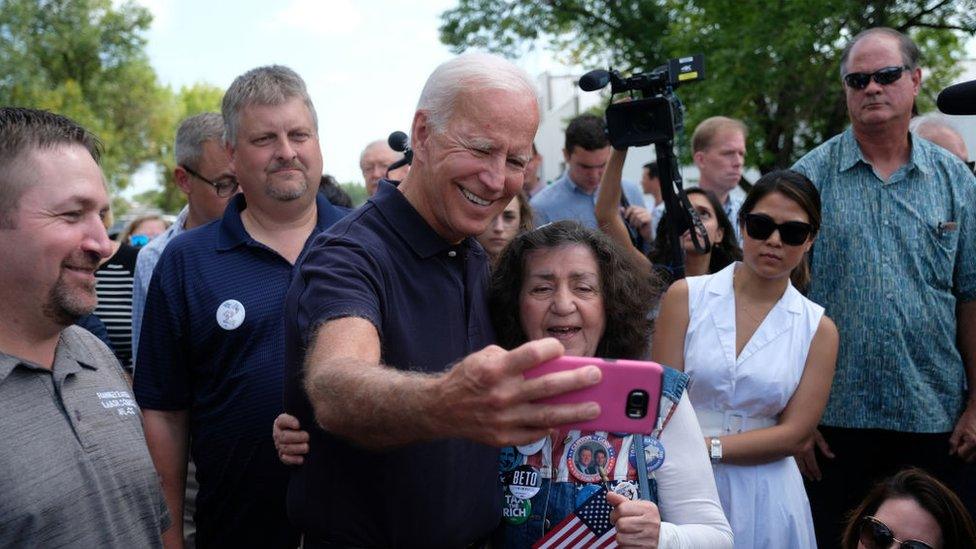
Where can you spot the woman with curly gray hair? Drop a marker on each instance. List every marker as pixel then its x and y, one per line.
pixel 575 285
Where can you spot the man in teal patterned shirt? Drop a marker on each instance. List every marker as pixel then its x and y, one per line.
pixel 895 267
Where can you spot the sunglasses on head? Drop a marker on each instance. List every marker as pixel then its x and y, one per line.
pixel 792 233
pixel 885 76
pixel 876 535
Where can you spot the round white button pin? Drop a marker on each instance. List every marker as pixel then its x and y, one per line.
pixel 230 314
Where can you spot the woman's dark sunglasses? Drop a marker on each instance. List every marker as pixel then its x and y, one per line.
pixel 876 535
pixel 885 76
pixel 792 233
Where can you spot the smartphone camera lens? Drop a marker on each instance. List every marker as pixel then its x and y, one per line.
pixel 637 404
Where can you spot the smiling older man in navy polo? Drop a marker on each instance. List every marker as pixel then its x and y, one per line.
pixel 386 301
pixel 211 352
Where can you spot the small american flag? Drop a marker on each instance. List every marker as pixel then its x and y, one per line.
pixel 588 526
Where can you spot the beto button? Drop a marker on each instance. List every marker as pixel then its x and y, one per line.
pixel 524 482
pixel 516 511
pixel 230 314
pixel 653 454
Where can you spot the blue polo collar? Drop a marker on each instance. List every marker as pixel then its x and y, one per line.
pixel 232 233
pixel 411 226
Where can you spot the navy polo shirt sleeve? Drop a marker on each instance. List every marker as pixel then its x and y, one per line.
pixel 162 381
pixel 341 280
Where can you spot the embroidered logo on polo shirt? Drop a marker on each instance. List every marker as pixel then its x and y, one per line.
pixel 230 314
pixel 120 401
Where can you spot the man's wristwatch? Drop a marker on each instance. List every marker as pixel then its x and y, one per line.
pixel 715 449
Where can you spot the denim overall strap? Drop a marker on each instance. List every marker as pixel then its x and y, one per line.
pixel 673 384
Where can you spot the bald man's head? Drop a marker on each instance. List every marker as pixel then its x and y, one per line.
pixel 374 160
pixel 943 135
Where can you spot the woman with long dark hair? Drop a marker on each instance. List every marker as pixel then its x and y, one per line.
pixel 721 233
pixel 762 358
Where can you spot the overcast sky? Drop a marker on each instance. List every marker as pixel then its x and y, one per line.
pixel 364 62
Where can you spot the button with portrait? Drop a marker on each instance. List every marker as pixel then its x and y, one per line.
pixel 591 458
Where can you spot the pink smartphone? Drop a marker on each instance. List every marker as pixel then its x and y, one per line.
pixel 629 393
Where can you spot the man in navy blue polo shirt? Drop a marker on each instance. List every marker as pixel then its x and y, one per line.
pixel 211 348
pixel 386 301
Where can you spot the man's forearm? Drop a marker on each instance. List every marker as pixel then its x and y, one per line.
pixel 167 435
pixel 372 405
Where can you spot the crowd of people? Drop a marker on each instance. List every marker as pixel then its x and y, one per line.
pixel 279 369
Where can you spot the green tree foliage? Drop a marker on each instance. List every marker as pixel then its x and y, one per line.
pixel 189 101
pixel 773 64
pixel 356 192
pixel 86 59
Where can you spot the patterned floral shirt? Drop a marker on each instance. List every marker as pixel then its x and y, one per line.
pixel 889 265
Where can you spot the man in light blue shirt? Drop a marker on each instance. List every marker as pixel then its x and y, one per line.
pixel 895 267
pixel 203 173
pixel 573 195
pixel 718 147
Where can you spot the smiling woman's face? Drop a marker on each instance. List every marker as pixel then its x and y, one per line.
pixel 562 297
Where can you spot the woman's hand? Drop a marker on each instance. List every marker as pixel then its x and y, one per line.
pixel 638 523
pixel 640 219
pixel 290 440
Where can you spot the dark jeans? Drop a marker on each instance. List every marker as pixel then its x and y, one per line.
pixel 866 456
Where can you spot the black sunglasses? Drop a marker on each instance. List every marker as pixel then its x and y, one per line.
pixel 876 535
pixel 885 76
pixel 225 187
pixel 792 233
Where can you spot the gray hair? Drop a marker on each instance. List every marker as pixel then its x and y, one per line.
pixel 193 133
pixel 466 72
pixel 909 51
pixel 23 130
pixel 372 145
pixel 270 85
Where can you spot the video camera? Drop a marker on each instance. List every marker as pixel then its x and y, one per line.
pixel 654 118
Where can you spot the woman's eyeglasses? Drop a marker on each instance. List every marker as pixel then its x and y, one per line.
pixel 885 76
pixel 792 233
pixel 876 535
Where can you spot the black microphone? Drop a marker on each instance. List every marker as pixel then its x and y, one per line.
pixel 958 99
pixel 398 141
pixel 594 80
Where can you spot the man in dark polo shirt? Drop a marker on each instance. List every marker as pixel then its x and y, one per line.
pixel 74 467
pixel 386 301
pixel 211 349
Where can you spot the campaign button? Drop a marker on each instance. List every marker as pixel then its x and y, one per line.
pixel 509 458
pixel 524 482
pixel 516 510
pixel 627 489
pixel 591 458
pixel 533 447
pixel 653 453
pixel 584 493
pixel 230 314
